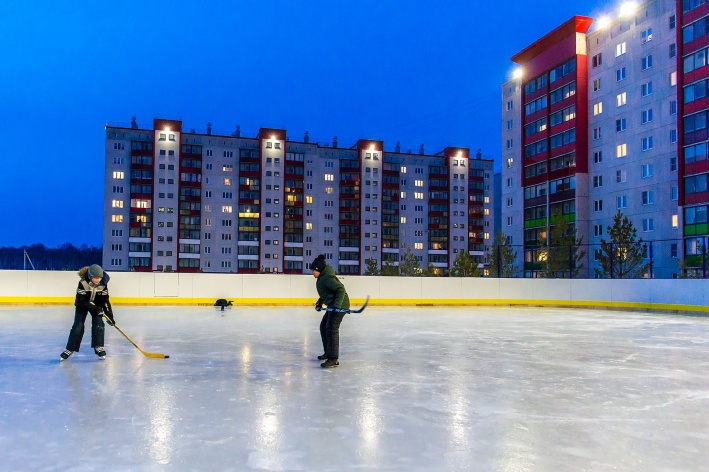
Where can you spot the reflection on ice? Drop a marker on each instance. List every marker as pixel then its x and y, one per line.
pixel 417 390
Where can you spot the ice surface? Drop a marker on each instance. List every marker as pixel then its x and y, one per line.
pixel 418 389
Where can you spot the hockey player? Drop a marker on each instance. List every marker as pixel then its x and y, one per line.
pixel 332 294
pixel 91 297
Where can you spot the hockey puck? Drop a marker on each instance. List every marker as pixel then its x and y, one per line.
pixel 167 357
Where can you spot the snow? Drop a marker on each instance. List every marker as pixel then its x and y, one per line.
pixel 418 389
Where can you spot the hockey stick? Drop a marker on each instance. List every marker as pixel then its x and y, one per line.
pixel 366 302
pixel 153 355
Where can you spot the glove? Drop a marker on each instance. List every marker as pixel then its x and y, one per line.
pixel 318 307
pixel 95 310
pixel 109 315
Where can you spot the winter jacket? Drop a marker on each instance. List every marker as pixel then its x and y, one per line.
pixel 90 297
pixel 332 292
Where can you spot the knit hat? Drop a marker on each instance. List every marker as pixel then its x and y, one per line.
pixel 319 263
pixel 95 272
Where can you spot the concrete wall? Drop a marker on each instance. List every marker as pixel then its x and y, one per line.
pixel 137 288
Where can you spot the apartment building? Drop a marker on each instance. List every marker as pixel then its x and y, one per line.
pixel 599 133
pixel 185 201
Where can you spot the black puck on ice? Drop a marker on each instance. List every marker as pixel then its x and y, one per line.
pixel 167 357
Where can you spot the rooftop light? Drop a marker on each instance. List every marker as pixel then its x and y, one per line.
pixel 603 22
pixel 628 8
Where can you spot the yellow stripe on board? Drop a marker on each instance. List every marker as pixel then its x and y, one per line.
pixel 356 302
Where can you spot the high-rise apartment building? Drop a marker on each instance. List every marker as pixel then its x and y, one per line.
pixel 185 202
pixel 596 131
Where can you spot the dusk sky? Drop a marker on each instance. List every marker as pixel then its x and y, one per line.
pixel 415 72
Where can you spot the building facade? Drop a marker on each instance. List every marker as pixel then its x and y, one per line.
pixel 185 202
pixel 599 133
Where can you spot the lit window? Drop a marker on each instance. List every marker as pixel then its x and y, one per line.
pixel 117 203
pixel 118 175
pixel 621 150
pixel 226 209
pixel 403 169
pixel 597 108
pixel 308 199
pixel 621 99
pixel 675 222
pixel 620 49
pixel 117 218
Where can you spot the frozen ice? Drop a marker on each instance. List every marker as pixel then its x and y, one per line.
pixel 418 389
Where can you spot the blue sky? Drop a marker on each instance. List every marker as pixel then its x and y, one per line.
pixel 415 72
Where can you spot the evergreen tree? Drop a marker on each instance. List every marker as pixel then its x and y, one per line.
pixel 464 266
pixel 502 250
pixel 371 267
pixel 432 271
pixel 409 266
pixel 627 255
pixel 563 250
pixel 389 269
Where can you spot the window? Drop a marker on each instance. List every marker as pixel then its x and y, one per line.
pixel 673 50
pixel 598 230
pixel 646 62
pixel 596 85
pixel 673 107
pixel 673 164
pixel 675 222
pixel 646 115
pixel 673 21
pixel 647 143
pixel 509 124
pixel 620 176
pixel 509 105
pixel 646 36
pixel 621 202
pixel 597 108
pixel 598 157
pixel 648 225
pixel 621 99
pixel 673 135
pixel 620 125
pixel 648 197
pixel 598 205
pixel 597 133
pixel 674 193
pixel 646 89
pixel 597 181
pixel 673 79
pixel 620 74
pixel 597 60
pixel 620 49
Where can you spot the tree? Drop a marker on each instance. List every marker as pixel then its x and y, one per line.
pixel 372 267
pixel 562 253
pixel 686 272
pixel 464 266
pixel 503 253
pixel 409 266
pixel 622 251
pixel 389 269
pixel 432 271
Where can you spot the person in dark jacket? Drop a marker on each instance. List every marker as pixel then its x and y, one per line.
pixel 91 297
pixel 333 295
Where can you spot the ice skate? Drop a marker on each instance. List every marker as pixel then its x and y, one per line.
pixel 323 357
pixel 329 364
pixel 100 352
pixel 65 355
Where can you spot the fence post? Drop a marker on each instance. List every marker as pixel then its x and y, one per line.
pixel 611 259
pixel 571 261
pixel 704 257
pixel 651 259
pixel 499 259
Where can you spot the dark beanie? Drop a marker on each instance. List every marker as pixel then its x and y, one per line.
pixel 319 263
pixel 95 272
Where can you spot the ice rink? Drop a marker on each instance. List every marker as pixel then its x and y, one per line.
pixel 418 389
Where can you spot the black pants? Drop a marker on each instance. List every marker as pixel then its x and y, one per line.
pixel 330 333
pixel 77 331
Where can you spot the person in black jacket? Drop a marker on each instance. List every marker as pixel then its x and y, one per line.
pixel 91 297
pixel 332 294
